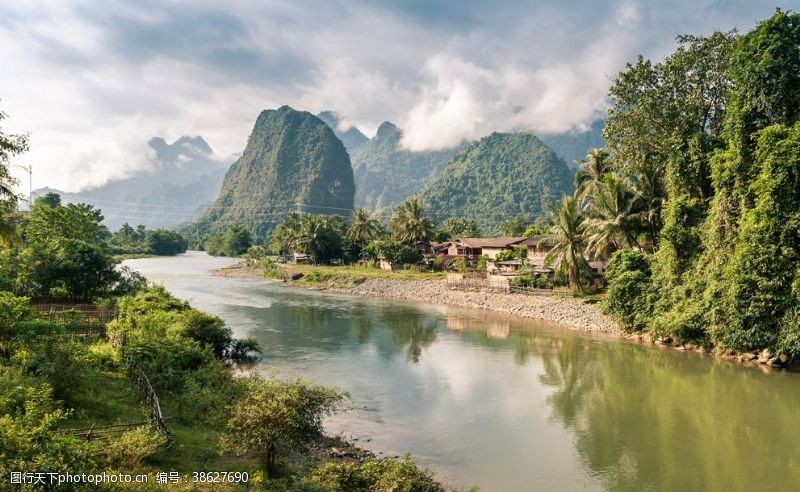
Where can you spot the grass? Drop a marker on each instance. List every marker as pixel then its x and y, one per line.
pixel 111 399
pixel 350 275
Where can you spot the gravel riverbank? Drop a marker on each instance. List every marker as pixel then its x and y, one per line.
pixel 566 311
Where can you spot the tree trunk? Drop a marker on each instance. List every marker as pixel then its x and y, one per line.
pixel 270 460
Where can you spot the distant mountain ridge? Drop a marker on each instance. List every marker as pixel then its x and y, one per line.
pixel 573 145
pixel 183 181
pixel 497 178
pixel 293 161
pixel 387 174
pixel 352 138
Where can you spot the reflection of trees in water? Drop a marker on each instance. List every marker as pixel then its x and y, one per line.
pixel 408 330
pixel 414 333
pixel 649 419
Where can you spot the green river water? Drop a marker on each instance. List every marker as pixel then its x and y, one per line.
pixel 509 404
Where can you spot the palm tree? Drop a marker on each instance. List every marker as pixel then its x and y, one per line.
pixel 614 217
pixel 567 254
pixel 363 228
pixel 648 185
pixel 589 178
pixel 409 224
pixel 314 236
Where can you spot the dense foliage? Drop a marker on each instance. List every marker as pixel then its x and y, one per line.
pixel 329 237
pixel 62 252
pixel 161 242
pixel 500 176
pixel 234 241
pixel 726 268
pixel 386 174
pixel 293 161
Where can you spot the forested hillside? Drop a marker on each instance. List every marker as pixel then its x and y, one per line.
pixel 496 178
pixel 386 174
pixel 293 162
pixel 573 145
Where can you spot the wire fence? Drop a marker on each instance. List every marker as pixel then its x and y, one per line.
pixel 105 432
pixel 81 319
pixel 499 284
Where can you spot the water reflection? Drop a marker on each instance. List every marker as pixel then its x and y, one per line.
pixel 642 418
pixel 509 404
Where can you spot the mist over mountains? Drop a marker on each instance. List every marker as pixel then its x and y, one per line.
pixel 183 180
pixel 295 159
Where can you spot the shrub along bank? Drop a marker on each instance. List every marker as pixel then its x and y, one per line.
pixel 266 428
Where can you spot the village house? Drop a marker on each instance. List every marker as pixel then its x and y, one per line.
pixel 471 248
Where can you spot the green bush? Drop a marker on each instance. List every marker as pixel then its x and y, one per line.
pixel 317 276
pixel 58 361
pixel 28 418
pixel 789 335
pixel 168 362
pixel 31 330
pixel 271 269
pixel 207 330
pixel 13 309
pixel 131 448
pixel 627 300
pixel 207 394
pixel 626 260
pixel 273 417
pixel 377 476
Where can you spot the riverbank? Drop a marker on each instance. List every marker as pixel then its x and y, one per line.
pixel 567 311
pixel 571 312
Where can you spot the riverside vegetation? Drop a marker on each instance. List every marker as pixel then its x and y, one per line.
pixel 694 199
pixel 62 383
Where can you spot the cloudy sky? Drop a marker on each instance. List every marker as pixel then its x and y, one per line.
pixel 92 81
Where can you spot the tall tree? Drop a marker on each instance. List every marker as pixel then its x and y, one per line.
pixel 10 146
pixel 514 227
pixel 363 228
pixel 613 217
pixel 409 223
pixel 567 255
pixel 589 177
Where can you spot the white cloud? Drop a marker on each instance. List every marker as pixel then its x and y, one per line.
pixel 92 82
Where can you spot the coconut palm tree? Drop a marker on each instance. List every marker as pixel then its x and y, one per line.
pixel 567 255
pixel 363 228
pixel 589 177
pixel 613 217
pixel 313 236
pixel 409 223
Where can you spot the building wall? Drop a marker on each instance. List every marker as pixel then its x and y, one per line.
pixel 491 252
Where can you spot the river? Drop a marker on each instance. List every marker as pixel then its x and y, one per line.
pixel 509 404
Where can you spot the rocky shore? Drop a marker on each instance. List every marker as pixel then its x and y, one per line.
pixel 566 311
